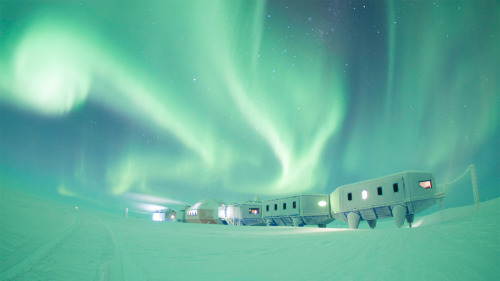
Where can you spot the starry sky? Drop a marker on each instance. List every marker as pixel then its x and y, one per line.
pixel 154 104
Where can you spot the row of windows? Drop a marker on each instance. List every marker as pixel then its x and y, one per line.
pixel 294 206
pixel 364 193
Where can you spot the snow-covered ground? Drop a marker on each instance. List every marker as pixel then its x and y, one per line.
pixel 47 240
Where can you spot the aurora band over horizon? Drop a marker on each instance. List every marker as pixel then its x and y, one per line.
pixel 243 98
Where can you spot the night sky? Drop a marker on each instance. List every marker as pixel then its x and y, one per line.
pixel 123 104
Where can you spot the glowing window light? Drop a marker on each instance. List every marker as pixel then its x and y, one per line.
pixel 364 194
pixel 172 216
pixel 322 203
pixel 425 184
pixel 222 213
pixel 158 216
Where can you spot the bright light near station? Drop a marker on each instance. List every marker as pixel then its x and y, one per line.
pixel 364 194
pixel 158 216
pixel 150 207
pixel 322 203
pixel 417 223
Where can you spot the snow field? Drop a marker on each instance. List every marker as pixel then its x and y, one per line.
pixel 45 240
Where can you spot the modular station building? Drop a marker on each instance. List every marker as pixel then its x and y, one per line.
pixel 205 212
pixel 248 213
pixel 400 196
pixel 167 215
pixel 298 211
pixel 181 215
pixel 170 215
pixel 159 216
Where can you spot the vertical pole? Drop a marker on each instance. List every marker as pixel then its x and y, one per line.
pixel 474 185
pixel 441 207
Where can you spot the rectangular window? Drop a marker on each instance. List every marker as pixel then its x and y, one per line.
pixel 395 187
pixel 425 184
pixel 275 207
pixel 253 211
pixel 294 204
pixel 349 196
pixel 379 190
pixel 284 206
pixel 267 208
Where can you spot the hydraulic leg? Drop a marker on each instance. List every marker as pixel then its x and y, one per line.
pixel 372 223
pixel 399 214
pixel 353 220
pixel 409 219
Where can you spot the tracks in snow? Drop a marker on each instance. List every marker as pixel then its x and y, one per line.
pixel 25 257
pixel 121 269
pixel 88 249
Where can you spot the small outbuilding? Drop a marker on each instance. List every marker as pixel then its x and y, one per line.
pixel 181 215
pixel 298 211
pixel 170 215
pixel 167 215
pixel 159 216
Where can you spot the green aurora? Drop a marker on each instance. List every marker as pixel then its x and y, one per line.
pixel 109 102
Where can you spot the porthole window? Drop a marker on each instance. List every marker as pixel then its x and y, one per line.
pixel 379 190
pixel 395 187
pixel 349 196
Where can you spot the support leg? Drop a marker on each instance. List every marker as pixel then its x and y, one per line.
pixel 353 220
pixel 409 219
pixel 399 214
pixel 372 223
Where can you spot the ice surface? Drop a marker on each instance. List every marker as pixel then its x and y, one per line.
pixel 47 240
